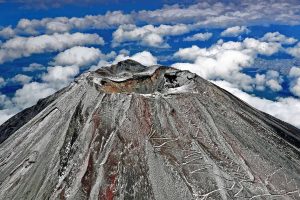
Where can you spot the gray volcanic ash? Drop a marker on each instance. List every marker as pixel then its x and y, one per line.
pixel 135 132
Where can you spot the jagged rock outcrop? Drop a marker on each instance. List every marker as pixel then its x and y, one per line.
pixel 135 132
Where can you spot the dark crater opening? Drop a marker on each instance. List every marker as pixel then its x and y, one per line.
pixel 160 81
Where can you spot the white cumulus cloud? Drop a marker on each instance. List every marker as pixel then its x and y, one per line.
pixel 235 31
pixel 2 82
pixel 144 57
pixel 274 80
pixel 7 32
pixel 225 60
pixel 64 24
pixel 198 37
pixel 294 75
pixel 263 48
pixel 33 67
pixel 31 93
pixel 294 51
pixel 59 76
pixel 19 47
pixel 147 35
pixel 80 56
pixel 6 113
pixel 278 37
pixel 21 79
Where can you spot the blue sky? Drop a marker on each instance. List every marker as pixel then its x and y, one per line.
pixel 250 48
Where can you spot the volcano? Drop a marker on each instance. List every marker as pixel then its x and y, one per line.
pixel 134 132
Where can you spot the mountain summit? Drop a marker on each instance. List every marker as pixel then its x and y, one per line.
pixel 133 132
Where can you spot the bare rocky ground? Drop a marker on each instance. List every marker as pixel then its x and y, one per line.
pixel 134 132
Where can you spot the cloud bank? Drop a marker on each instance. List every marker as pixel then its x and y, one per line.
pixel 148 35
pixel 198 37
pixel 19 47
pixel 285 109
pixel 235 31
pixel 202 14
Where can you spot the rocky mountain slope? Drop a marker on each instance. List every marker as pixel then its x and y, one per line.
pixel 135 132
